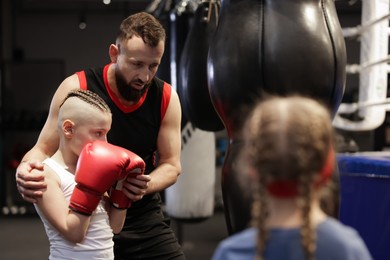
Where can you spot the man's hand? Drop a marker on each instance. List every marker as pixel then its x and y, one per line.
pixel 135 187
pixel 30 185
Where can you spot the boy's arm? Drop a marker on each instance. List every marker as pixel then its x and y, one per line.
pixel 117 216
pixel 54 206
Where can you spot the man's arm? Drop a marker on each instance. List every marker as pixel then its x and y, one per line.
pixel 30 185
pixel 169 150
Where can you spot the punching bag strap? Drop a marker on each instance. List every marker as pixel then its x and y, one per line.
pixel 213 3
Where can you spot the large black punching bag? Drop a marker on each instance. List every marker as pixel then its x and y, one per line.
pixel 192 79
pixel 277 47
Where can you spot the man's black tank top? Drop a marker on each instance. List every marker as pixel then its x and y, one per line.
pixel 136 127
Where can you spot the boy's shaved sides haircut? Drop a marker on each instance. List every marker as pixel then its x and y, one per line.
pixel 90 97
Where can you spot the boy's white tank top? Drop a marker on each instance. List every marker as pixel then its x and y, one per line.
pixel 98 243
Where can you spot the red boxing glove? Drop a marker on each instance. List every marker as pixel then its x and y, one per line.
pixel 117 198
pixel 100 164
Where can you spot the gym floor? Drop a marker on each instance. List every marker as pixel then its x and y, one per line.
pixel 23 237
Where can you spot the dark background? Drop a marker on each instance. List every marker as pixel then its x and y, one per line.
pixel 41 44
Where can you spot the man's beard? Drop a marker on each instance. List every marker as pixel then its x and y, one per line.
pixel 128 92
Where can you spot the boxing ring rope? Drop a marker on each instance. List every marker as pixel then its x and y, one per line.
pixel 355 68
pixel 359 30
pixel 373 69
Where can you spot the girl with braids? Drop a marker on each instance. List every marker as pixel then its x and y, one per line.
pixel 289 153
pixel 83 118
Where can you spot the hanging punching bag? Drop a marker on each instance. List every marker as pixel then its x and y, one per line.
pixel 161 10
pixel 179 25
pixel 194 94
pixel 191 198
pixel 277 47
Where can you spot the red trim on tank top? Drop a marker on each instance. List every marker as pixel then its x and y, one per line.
pixel 125 109
pixel 166 97
pixel 82 79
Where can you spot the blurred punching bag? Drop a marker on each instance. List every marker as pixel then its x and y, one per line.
pixel 179 25
pixel 191 198
pixel 192 79
pixel 278 47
